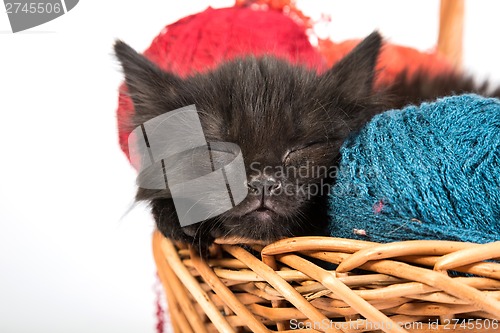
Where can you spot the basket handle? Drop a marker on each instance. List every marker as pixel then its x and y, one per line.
pixel 450 38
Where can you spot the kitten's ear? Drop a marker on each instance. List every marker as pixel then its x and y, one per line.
pixel 354 74
pixel 147 84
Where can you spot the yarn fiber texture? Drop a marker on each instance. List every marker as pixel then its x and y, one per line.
pixel 426 172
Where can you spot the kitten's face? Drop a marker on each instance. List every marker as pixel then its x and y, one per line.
pixel 288 121
pixel 270 111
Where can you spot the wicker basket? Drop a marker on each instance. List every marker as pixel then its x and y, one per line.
pixel 395 287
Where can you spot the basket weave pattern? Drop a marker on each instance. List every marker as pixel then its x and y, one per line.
pixel 395 287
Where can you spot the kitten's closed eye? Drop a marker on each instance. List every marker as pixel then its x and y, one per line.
pixel 300 153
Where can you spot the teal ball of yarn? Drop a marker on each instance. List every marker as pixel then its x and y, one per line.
pixel 426 172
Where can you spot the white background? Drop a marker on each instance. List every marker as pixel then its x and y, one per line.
pixel 71 259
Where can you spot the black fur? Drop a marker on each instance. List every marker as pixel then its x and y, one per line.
pixel 281 116
pixel 419 88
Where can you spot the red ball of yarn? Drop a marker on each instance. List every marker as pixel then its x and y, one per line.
pixel 200 42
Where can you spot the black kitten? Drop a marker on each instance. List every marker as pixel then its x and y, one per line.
pixel 289 123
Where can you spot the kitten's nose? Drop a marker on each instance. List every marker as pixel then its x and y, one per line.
pixel 267 185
